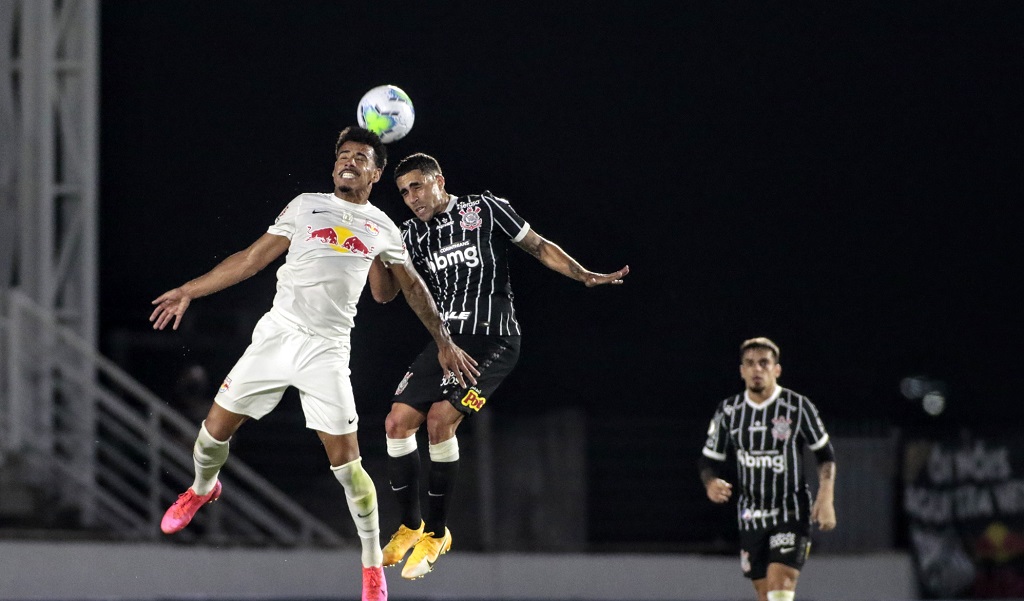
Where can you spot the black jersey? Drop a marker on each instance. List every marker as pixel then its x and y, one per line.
pixel 768 439
pixel 462 253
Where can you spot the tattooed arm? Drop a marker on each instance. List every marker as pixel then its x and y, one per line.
pixel 556 259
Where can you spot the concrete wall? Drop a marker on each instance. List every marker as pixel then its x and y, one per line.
pixel 79 571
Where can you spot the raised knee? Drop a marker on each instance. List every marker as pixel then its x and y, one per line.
pixel 398 425
pixel 441 427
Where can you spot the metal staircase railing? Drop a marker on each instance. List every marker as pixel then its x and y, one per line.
pixel 103 446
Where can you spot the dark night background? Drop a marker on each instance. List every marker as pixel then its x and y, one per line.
pixel 844 179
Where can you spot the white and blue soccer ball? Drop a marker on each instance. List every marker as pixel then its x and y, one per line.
pixel 386 111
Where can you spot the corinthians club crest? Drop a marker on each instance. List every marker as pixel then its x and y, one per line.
pixel 470 218
pixel 781 428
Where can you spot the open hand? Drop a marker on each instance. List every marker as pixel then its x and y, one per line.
pixel 170 304
pixel 597 279
pixel 457 362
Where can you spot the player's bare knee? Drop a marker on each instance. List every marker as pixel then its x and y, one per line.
pixel 395 426
pixel 782 577
pixel 440 430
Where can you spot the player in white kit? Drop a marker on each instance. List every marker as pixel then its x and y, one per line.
pixel 303 341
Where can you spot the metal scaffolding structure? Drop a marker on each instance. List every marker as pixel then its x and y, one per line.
pixel 49 114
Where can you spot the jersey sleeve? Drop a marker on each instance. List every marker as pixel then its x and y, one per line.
pixel 284 225
pixel 811 426
pixel 718 439
pixel 506 218
pixel 393 248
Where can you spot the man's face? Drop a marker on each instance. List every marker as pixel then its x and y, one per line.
pixel 759 370
pixel 423 194
pixel 355 169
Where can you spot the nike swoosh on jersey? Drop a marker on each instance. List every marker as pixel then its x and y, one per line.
pixel 316 211
pixel 399 488
pixel 422 236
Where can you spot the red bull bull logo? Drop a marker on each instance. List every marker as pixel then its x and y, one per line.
pixel 473 400
pixel 325 235
pixel 340 239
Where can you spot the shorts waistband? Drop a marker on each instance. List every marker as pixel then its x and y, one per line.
pixel 283 321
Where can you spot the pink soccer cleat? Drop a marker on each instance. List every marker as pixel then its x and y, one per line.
pixel 184 509
pixel 375 587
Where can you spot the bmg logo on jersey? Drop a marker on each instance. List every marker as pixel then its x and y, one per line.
pixel 456 254
pixel 776 463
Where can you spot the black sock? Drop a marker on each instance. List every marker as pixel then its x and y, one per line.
pixel 404 475
pixel 443 475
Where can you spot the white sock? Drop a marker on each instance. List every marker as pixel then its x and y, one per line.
pixel 362 504
pixel 400 447
pixel 208 456
pixel 781 595
pixel 445 451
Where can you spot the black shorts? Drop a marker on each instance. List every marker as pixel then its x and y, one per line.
pixel 788 544
pixel 424 384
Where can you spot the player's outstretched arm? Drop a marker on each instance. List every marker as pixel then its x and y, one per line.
pixel 556 259
pixel 823 512
pixel 453 359
pixel 383 284
pixel 239 266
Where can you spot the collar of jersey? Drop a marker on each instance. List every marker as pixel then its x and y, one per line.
pixel 766 402
pixel 451 204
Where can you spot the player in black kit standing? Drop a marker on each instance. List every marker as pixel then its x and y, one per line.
pixel 460 244
pixel 768 427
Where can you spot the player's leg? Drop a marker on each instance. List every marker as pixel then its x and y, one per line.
pixel 252 389
pixel 400 426
pixel 361 497
pixel 360 494
pixel 329 406
pixel 754 560
pixel 442 422
pixel 788 547
pixel 413 397
pixel 497 356
pixel 761 588
pixel 780 585
pixel 403 461
pixel 209 454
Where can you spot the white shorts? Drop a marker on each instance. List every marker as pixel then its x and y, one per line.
pixel 282 355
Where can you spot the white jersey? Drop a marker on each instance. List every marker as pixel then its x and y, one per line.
pixel 333 242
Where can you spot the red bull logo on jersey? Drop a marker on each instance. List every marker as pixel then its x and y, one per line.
pixel 781 428
pixel 371 228
pixel 775 463
pixel 225 385
pixel 340 239
pixel 473 400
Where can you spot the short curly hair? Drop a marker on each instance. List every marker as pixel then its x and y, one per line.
pixel 363 136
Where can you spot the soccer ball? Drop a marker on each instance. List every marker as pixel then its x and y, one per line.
pixel 386 111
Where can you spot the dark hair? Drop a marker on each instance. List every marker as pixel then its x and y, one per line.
pixel 363 136
pixel 760 343
pixel 424 162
